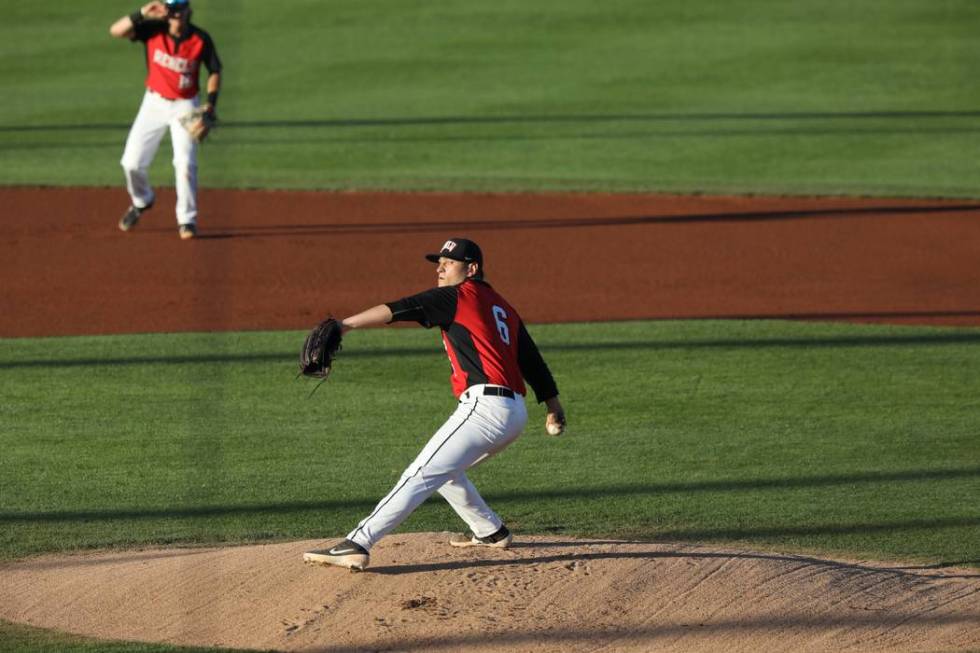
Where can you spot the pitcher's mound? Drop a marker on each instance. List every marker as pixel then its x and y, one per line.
pixel 543 594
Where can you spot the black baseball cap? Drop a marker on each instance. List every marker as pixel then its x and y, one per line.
pixel 459 249
pixel 177 5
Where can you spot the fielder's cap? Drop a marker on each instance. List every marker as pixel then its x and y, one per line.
pixel 459 249
pixel 177 4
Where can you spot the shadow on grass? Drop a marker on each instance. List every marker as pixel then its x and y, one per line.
pixel 871 340
pixel 600 492
pixel 22 638
pixel 548 119
pixel 606 133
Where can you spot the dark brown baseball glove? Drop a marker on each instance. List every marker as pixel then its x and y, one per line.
pixel 320 348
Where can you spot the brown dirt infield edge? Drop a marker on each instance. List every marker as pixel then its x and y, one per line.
pixel 280 260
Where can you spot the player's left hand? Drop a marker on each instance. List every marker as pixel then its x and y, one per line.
pixel 199 122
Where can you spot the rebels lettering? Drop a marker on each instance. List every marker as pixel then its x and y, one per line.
pixel 176 64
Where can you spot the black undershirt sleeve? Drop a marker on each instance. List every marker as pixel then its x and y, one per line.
pixel 434 307
pixel 146 28
pixel 210 55
pixel 533 367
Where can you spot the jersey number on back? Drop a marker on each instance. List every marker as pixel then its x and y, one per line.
pixel 500 315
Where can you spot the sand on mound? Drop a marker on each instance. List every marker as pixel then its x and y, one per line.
pixel 543 594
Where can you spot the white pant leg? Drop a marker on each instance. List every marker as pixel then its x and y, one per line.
pixel 464 498
pixel 479 427
pixel 185 163
pixel 141 146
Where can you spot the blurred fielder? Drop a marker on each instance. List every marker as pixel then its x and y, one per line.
pixel 175 50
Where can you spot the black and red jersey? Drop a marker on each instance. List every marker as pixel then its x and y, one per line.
pixel 173 66
pixel 485 338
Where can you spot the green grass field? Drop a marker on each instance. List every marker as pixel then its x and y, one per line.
pixel 755 96
pixel 848 440
pixel 24 639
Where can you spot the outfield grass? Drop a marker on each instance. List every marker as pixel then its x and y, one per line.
pixel 827 97
pixel 838 439
pixel 24 639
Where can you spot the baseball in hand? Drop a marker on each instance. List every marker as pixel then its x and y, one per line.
pixel 554 428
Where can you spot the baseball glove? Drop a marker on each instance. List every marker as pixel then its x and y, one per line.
pixel 320 348
pixel 199 122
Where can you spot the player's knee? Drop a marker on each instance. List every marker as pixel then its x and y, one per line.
pixel 411 471
pixel 435 476
pixel 130 166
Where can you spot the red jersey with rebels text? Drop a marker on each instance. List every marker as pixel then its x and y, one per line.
pixel 485 339
pixel 174 65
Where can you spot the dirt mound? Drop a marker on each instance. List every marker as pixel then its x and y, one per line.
pixel 543 594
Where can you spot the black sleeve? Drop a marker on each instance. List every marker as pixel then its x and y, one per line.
pixel 209 57
pixel 533 367
pixel 434 307
pixel 146 27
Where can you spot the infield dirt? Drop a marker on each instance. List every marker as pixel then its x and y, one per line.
pixel 281 260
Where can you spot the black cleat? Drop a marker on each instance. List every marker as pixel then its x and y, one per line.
pixel 499 540
pixel 132 216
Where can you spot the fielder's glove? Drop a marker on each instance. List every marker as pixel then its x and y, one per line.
pixel 199 122
pixel 320 348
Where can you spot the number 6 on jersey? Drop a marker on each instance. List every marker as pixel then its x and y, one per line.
pixel 500 316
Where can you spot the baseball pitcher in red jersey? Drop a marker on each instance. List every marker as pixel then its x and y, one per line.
pixel 175 49
pixel 491 355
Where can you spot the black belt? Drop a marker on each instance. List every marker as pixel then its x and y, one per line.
pixel 496 391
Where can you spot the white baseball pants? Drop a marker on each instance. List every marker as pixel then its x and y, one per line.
pixel 156 114
pixel 481 426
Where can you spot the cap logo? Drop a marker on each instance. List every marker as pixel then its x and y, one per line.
pixel 449 246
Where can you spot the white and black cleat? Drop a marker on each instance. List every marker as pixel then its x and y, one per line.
pixel 499 540
pixel 347 554
pixel 187 231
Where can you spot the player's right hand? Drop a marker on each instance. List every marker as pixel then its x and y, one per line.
pixel 554 421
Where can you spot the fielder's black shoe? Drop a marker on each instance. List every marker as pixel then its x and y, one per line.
pixel 132 216
pixel 499 540
pixel 187 231
pixel 347 554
